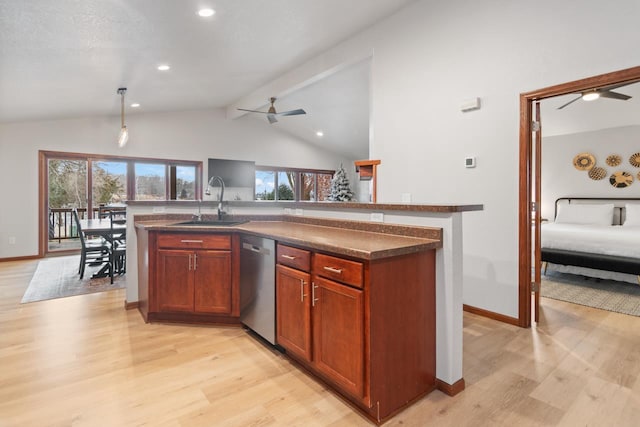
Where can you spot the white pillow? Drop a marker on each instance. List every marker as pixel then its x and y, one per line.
pixel 585 214
pixel 632 215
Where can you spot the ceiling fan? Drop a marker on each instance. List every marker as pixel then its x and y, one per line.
pixel 272 113
pixel 601 92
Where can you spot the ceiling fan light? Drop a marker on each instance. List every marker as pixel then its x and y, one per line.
pixel 590 96
pixel 123 137
pixel 206 12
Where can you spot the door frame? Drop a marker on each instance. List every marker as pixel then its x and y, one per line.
pixel 527 174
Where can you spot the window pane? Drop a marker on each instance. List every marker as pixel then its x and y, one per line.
pixel 265 185
pixel 67 190
pixel 150 181
pixel 109 183
pixel 286 186
pixel 185 182
pixel 308 191
pixel 324 186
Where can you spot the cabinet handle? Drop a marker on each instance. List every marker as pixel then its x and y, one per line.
pixel 195 262
pixel 302 294
pixel 191 241
pixel 333 270
pixel 313 294
pixel 189 262
pixel 288 257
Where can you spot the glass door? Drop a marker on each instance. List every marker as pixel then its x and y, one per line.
pixel 67 189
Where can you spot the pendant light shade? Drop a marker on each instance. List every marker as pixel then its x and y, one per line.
pixel 124 132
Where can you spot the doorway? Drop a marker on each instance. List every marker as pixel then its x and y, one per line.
pixel 528 214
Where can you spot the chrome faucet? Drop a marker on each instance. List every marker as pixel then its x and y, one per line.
pixel 198 216
pixel 208 193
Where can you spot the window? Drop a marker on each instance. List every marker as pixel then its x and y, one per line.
pixel 86 181
pixel 292 184
pixel 150 181
pixel 109 183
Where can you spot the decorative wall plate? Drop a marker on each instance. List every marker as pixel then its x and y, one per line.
pixel 584 161
pixel 635 160
pixel 614 160
pixel 638 176
pixel 621 179
pixel 597 173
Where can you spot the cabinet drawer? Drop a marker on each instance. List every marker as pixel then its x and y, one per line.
pixel 194 241
pixel 339 269
pixel 294 257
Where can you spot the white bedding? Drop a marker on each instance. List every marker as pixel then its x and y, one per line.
pixel 598 239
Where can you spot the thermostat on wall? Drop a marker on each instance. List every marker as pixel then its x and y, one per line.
pixel 470 162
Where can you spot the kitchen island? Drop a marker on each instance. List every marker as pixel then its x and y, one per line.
pixel 356 308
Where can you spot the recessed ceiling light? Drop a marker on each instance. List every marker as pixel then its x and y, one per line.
pixel 319 133
pixel 163 67
pixel 205 13
pixel 135 105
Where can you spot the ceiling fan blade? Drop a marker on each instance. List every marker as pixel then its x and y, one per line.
pixel 570 102
pixel 252 111
pixel 272 118
pixel 613 95
pixel 292 112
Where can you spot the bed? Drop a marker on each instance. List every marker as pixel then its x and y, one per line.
pixel 594 237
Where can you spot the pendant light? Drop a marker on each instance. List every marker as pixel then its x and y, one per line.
pixel 124 133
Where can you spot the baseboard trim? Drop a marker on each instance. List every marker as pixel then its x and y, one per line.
pixel 20 258
pixel 450 389
pixel 491 315
pixel 131 305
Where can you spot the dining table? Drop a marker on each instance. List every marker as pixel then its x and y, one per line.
pixel 102 227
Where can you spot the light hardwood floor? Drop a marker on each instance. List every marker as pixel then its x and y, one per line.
pixel 85 361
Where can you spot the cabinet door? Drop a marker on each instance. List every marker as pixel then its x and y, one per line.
pixel 175 280
pixel 212 282
pixel 338 334
pixel 293 315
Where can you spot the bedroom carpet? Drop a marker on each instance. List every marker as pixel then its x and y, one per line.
pixel 58 278
pixel 610 295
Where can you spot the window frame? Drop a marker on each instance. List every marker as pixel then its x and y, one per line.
pixel 43 180
pixel 297 193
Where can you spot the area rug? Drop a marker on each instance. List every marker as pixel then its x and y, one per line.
pixel 620 297
pixel 58 278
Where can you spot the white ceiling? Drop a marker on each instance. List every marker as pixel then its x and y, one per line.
pixel 66 58
pixel 587 116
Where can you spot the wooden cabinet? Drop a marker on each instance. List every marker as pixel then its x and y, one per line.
pixel 338 334
pixel 334 346
pixel 372 324
pixel 293 317
pixel 192 277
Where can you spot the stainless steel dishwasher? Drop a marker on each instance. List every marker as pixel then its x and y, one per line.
pixel 257 286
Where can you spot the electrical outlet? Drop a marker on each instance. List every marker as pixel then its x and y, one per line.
pixel 158 209
pixel 299 212
pixel 406 197
pixel 12 240
pixel 377 217
pixel 287 211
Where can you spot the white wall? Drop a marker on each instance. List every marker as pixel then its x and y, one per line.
pixel 426 60
pixel 431 56
pixel 561 179
pixel 190 135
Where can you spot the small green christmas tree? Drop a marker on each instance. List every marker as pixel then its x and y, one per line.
pixel 340 190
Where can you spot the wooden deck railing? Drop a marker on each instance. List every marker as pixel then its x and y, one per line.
pixel 61 224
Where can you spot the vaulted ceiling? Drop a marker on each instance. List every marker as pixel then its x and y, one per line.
pixel 66 58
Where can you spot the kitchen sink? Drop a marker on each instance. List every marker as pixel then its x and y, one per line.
pixel 214 223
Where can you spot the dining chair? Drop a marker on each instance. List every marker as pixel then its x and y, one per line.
pixel 118 251
pixel 93 251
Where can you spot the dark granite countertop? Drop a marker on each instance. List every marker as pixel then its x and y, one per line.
pixel 406 207
pixel 339 237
